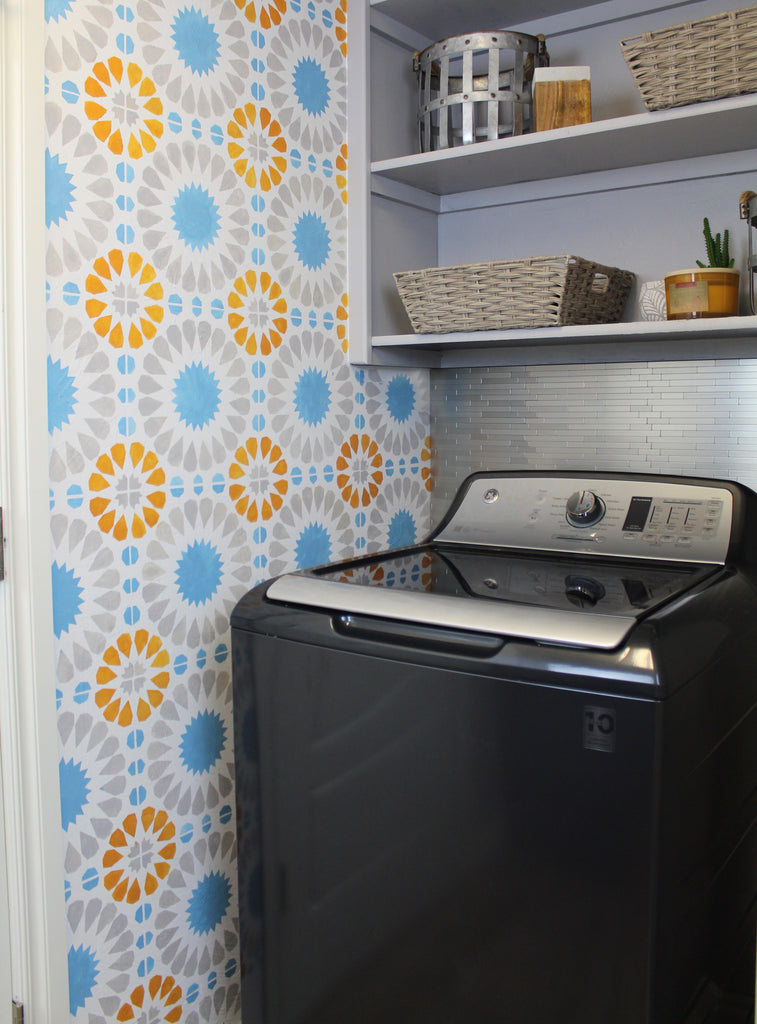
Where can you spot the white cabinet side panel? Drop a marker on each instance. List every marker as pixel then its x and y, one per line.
pixel 404 238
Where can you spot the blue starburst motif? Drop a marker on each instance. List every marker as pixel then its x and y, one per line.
pixel 61 395
pixel 311 86
pixel 195 217
pixel 82 974
pixel 313 546
pixel 74 790
pixel 400 398
pixel 312 396
pixel 197 395
pixel 196 41
pixel 59 190
pixel 209 902
pixel 198 574
pixel 203 742
pixel 55 9
pixel 312 241
pixel 401 529
pixel 66 598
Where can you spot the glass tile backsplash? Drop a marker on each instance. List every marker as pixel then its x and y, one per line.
pixel 693 417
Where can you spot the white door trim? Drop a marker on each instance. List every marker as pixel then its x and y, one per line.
pixel 28 734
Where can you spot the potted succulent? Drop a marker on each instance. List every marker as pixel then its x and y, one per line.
pixel 708 290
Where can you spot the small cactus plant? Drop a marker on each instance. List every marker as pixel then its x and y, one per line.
pixel 717 253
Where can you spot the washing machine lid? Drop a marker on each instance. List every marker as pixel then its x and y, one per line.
pixel 576 602
pixel 554 557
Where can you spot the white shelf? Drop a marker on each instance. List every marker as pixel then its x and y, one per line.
pixel 702 129
pixel 724 338
pixel 593 188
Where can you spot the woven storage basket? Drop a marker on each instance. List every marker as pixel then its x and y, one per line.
pixel 502 294
pixel 696 60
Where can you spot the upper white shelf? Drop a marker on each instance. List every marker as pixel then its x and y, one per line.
pixel 722 338
pixel 701 129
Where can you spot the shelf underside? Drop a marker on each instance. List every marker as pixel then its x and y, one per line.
pixel 724 338
pixel 701 129
pixel 449 17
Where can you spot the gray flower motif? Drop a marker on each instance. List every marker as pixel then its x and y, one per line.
pixel 81 394
pixel 221 1004
pixel 399 516
pixel 196 922
pixel 307 82
pixel 79 193
pixel 78 40
pixel 190 753
pixel 198 565
pixel 193 210
pixel 93 778
pixel 306 231
pixel 195 395
pixel 86 590
pixel 311 395
pixel 199 54
pixel 313 528
pixel 100 959
pixel 397 409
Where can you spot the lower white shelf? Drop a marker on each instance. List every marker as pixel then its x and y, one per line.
pixel 646 341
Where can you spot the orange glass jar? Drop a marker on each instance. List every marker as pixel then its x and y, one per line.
pixel 702 292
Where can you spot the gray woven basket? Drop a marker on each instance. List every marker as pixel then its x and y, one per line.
pixel 696 60
pixel 541 291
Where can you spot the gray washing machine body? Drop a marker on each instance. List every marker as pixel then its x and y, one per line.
pixel 468 814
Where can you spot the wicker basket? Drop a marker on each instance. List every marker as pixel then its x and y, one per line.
pixel 696 60
pixel 538 292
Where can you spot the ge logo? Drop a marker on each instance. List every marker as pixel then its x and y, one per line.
pixel 599 728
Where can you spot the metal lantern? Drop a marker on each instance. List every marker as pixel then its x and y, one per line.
pixel 476 87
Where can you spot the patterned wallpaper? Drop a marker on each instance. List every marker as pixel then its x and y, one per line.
pixel 206 431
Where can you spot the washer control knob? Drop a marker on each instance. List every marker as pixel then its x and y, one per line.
pixel 583 591
pixel 584 508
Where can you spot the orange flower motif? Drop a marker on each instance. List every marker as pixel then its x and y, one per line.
pixel 159 1002
pixel 359 470
pixel 122 507
pixel 427 472
pixel 138 855
pixel 128 298
pixel 270 13
pixel 341 172
pixel 261 469
pixel 122 104
pixel 341 26
pixel 427 576
pixel 341 328
pixel 372 573
pixel 257 147
pixel 259 312
pixel 132 677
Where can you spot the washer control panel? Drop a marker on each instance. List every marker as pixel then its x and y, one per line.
pixel 634 517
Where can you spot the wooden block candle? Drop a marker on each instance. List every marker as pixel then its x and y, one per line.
pixel 562 97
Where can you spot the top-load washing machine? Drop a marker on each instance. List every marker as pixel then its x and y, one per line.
pixel 509 775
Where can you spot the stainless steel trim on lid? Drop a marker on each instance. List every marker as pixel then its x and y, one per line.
pixel 547 625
